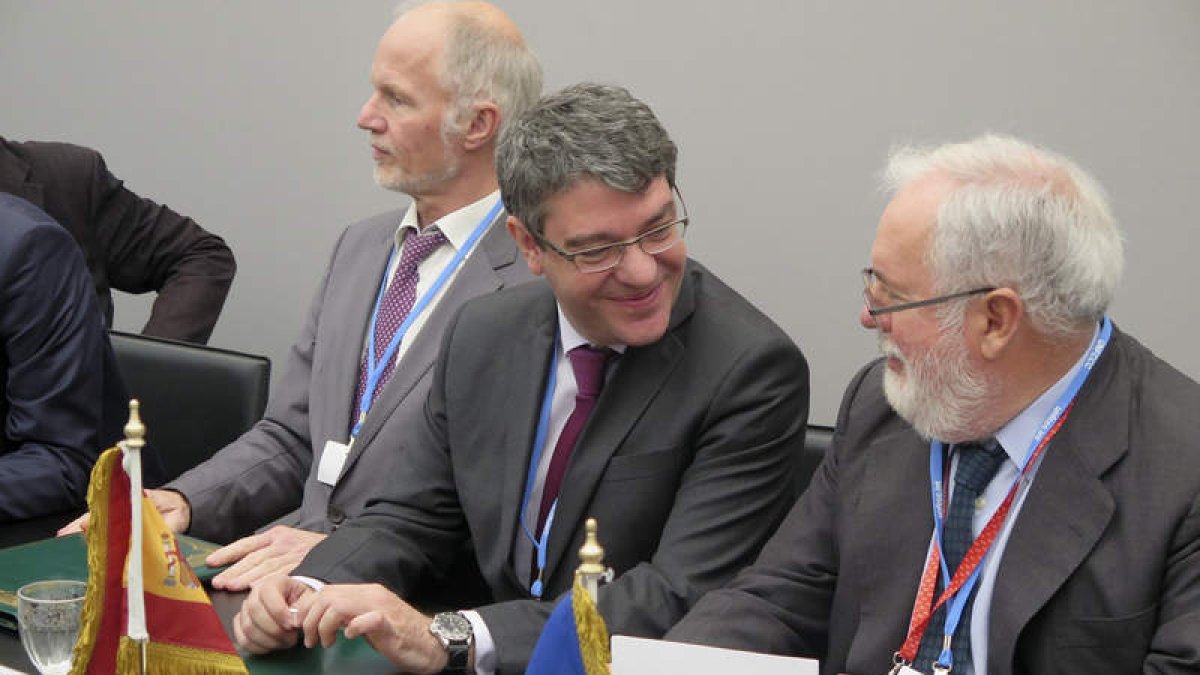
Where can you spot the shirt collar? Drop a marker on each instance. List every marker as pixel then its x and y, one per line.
pixel 1016 436
pixel 457 226
pixel 570 338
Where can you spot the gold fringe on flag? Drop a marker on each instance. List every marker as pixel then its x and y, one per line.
pixel 181 660
pixel 593 634
pixel 93 603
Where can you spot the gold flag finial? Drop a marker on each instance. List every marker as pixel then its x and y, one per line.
pixel 135 431
pixel 589 625
pixel 591 554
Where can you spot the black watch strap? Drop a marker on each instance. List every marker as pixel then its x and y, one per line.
pixel 457 653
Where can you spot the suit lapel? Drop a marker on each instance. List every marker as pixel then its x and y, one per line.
pixel 344 339
pixel 639 376
pixel 894 506
pixel 530 355
pixel 1066 511
pixel 476 277
pixel 640 373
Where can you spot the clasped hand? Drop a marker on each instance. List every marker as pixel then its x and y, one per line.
pixel 281 610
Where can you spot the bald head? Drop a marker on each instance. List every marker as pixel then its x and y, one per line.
pixel 483 13
pixel 480 55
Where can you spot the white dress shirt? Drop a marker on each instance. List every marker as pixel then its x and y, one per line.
pixel 457 228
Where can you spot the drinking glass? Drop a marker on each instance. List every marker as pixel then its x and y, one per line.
pixel 48 615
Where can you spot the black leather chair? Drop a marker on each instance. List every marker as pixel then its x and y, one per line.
pixel 194 399
pixel 817 441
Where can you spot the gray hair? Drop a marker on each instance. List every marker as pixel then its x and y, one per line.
pixel 482 62
pixel 1019 216
pixel 586 131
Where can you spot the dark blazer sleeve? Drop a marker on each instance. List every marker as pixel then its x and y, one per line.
pixel 260 476
pixel 781 603
pixel 53 357
pixel 415 526
pixel 149 247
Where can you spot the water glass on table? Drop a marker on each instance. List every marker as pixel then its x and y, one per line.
pixel 48 614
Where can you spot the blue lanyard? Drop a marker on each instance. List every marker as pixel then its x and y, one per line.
pixel 958 603
pixel 539 446
pixel 375 368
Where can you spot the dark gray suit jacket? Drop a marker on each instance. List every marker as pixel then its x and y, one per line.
pixel 685 462
pixel 272 469
pixel 1101 574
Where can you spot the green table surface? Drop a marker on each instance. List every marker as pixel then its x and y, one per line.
pixel 66 558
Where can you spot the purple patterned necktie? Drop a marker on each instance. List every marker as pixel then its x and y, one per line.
pixel 397 301
pixel 588 363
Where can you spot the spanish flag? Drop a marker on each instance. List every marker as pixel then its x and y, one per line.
pixel 143 613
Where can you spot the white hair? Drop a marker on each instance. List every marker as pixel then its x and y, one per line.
pixel 1021 217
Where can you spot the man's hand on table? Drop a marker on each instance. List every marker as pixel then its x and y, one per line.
pixel 281 610
pixel 261 556
pixel 390 624
pixel 172 505
pixel 267 621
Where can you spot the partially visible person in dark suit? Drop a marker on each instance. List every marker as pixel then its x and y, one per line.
pixel 1013 454
pixel 61 399
pixel 129 243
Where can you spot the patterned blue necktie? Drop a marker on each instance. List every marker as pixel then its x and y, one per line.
pixel 977 465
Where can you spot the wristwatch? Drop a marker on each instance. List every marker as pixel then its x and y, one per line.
pixel 455 633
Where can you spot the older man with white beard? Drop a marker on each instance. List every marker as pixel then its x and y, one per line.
pixel 1015 487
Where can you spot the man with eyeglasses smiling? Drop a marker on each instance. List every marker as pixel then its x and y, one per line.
pixel 1014 487
pixel 634 387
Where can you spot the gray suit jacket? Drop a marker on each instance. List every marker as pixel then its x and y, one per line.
pixel 685 462
pixel 271 470
pixel 1101 574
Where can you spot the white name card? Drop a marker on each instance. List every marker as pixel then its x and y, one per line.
pixel 639 656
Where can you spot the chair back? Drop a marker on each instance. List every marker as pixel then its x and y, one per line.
pixel 194 399
pixel 817 442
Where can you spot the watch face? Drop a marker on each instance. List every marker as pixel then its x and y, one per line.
pixel 451 626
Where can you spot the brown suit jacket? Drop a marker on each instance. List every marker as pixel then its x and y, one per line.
pixel 129 243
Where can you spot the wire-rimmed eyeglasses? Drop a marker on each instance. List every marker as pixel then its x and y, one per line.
pixel 872 282
pixel 602 258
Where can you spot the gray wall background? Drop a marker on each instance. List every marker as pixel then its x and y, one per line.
pixel 241 114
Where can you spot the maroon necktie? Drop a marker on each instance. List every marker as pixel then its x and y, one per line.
pixel 397 301
pixel 588 363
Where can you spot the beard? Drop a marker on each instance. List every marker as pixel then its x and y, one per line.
pixel 938 392
pixel 396 179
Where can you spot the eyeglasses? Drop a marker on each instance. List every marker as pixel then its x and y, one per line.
pixel 872 284
pixel 607 256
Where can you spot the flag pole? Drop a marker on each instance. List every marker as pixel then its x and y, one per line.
pixel 591 561
pixel 131 447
